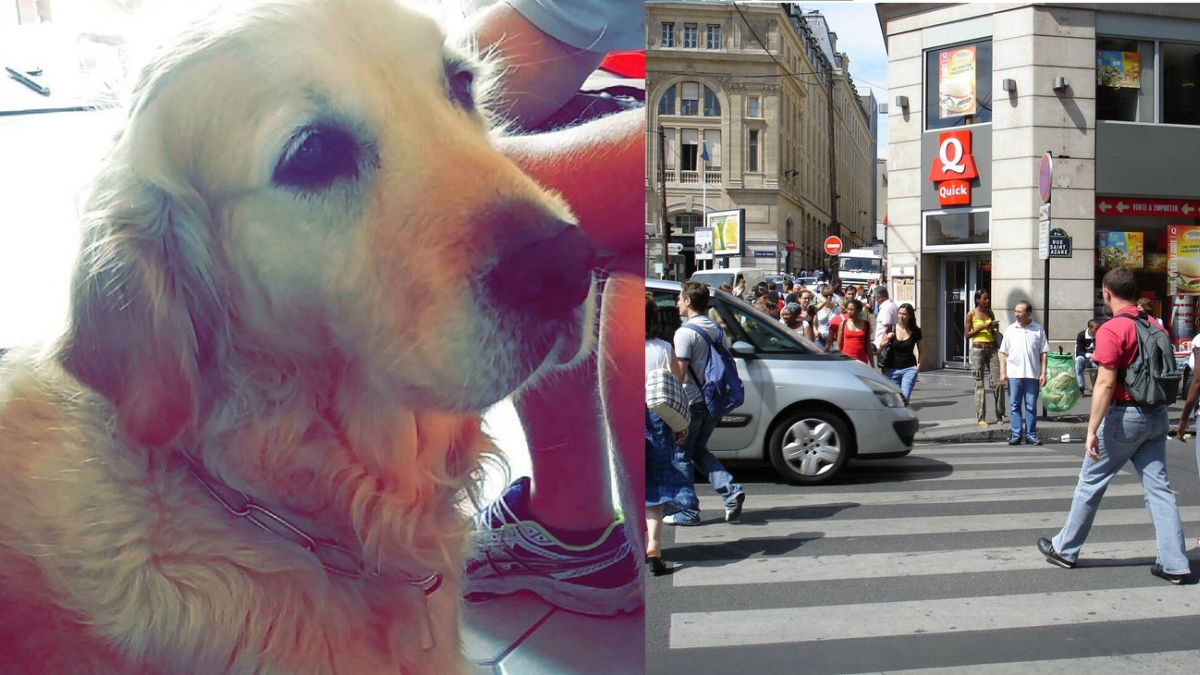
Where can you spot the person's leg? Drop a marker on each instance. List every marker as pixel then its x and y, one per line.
pixel 1015 401
pixel 654 516
pixel 909 381
pixel 976 364
pixel 685 455
pixel 1150 460
pixel 998 391
pixel 1115 450
pixel 1080 365
pixel 561 418
pixel 622 382
pixel 1031 398
pixel 720 479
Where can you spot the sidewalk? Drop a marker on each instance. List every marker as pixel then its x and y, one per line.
pixel 944 401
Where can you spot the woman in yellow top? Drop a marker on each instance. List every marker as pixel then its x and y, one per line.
pixel 983 331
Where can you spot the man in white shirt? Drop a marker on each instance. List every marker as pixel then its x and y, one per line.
pixel 1023 370
pixel 886 315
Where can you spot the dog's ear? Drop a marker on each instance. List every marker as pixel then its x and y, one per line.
pixel 144 306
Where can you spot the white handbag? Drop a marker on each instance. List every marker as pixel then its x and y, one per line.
pixel 665 398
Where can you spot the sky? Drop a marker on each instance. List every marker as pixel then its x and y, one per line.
pixel 859 37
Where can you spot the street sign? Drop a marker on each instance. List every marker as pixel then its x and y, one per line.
pixel 764 254
pixel 833 246
pixel 1044 232
pixel 1045 173
pixel 791 246
pixel 1060 244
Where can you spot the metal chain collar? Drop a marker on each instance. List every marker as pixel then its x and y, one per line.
pixel 333 556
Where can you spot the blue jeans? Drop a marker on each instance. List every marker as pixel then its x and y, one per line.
pixel 1022 406
pixel 695 451
pixel 1082 363
pixel 1140 435
pixel 904 378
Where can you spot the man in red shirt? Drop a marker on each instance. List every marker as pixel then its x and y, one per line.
pixel 1122 430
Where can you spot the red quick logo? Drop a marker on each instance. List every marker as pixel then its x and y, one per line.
pixel 954 168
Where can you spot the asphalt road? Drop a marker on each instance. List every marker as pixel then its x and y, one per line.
pixel 926 562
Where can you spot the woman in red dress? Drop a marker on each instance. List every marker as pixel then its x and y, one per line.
pixel 854 333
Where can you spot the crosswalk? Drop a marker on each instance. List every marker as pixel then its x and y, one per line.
pixel 927 564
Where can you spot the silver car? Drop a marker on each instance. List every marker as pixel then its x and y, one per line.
pixel 806 412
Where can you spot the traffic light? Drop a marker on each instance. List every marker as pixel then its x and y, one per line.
pixel 666 231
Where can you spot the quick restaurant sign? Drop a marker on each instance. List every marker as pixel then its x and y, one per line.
pixel 954 168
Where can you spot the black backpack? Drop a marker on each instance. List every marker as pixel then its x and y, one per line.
pixel 1153 377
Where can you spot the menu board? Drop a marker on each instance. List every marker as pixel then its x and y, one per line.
pixel 1183 260
pixel 1119 69
pixel 1120 249
pixel 956 82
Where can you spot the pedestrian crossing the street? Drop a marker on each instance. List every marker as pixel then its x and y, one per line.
pixel 927 564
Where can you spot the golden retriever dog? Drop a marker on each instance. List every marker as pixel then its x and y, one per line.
pixel 305 272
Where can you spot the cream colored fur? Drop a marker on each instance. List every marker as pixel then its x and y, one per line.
pixel 327 351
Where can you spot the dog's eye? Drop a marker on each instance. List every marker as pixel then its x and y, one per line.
pixel 317 157
pixel 461 82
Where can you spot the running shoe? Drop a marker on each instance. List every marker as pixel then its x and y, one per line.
pixel 515 553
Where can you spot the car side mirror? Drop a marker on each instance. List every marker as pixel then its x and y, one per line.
pixel 742 348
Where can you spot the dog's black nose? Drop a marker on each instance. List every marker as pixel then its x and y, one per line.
pixel 547 275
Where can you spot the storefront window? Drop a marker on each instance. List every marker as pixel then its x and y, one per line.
pixel 1124 80
pixel 958 85
pixel 957 230
pixel 1181 75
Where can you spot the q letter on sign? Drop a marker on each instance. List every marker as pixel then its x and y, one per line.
pixel 953 168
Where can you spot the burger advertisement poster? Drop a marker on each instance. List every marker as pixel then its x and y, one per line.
pixel 956 82
pixel 1183 260
pixel 1121 249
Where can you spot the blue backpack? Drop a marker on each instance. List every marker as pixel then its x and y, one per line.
pixel 722 387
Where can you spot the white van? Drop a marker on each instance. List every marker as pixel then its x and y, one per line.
pixel 715 277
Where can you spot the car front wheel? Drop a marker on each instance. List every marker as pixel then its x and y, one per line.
pixel 810 447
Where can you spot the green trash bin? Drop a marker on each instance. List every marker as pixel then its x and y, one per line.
pixel 1061 392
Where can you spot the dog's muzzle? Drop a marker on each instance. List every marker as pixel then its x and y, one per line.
pixel 545 277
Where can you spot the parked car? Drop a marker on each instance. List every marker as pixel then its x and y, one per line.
pixel 806 412
pixel 809 282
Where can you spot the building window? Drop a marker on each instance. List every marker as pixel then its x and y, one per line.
pixel 1181 76
pixel 689 36
pixel 712 143
pixel 668 34
pixel 712 37
pixel 686 223
pixel 752 107
pixel 690 101
pixel 958 85
pixel 964 230
pixel 752 152
pixel 689 154
pixel 1124 80
pixel 669 148
pixel 712 107
pixel 666 104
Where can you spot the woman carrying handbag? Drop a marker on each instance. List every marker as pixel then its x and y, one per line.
pixel 666 481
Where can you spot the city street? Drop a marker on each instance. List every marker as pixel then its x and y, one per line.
pixel 926 563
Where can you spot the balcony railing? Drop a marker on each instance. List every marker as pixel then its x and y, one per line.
pixel 693 177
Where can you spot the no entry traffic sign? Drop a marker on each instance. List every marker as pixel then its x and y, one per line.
pixel 833 246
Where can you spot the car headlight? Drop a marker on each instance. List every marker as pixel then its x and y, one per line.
pixel 889 396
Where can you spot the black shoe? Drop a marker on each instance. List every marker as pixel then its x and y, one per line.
pixel 1046 548
pixel 657 565
pixel 1033 440
pixel 1014 440
pixel 1157 570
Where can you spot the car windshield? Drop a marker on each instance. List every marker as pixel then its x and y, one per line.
pixel 714 279
pixel 738 319
pixel 870 265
